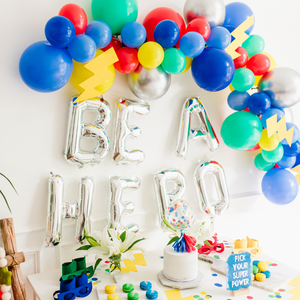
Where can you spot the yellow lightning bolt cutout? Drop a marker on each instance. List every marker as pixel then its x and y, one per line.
pixel 296 291
pixel 297 169
pixel 98 66
pixel 240 37
pixel 130 266
pixel 176 295
pixel 280 127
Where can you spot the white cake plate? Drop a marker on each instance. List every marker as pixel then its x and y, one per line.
pixel 180 285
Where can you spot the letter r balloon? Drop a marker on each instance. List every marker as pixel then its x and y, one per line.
pixel 205 131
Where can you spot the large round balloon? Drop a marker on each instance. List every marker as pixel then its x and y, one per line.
pixel 45 68
pixel 213 70
pixel 80 74
pixel 241 131
pixel 282 85
pixel 159 14
pixel 280 186
pixel 149 84
pixel 116 13
pixel 212 10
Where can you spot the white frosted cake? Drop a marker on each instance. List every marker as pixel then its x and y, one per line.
pixel 180 266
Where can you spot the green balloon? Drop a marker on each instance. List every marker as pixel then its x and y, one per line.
pixel 241 131
pixel 254 44
pixel 273 156
pixel 243 80
pixel 116 13
pixel 174 61
pixel 261 164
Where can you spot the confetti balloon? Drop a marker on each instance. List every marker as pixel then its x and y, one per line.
pixel 181 214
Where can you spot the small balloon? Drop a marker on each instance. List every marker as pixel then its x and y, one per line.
pixel 189 61
pixel 243 80
pixel 268 143
pixel 59 31
pixel 167 33
pixel 181 215
pixel 76 15
pixel 242 60
pixel 128 60
pixel 219 38
pixel 238 100
pixel 273 156
pixel 294 150
pixel 261 164
pixel 269 113
pixel 114 43
pixel 259 64
pixel 100 32
pixel 151 55
pixel 280 186
pixel 259 103
pixel 254 44
pixel 82 48
pixel 174 61
pixel 192 44
pixel 133 34
pixel 201 26
pixel 287 162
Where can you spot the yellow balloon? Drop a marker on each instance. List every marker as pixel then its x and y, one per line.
pixel 80 74
pixel 231 87
pixel 268 144
pixel 151 55
pixel 188 64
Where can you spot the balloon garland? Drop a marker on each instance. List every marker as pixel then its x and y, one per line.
pixel 5 277
pixel 215 44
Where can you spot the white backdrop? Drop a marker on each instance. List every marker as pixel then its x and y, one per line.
pixel 33 133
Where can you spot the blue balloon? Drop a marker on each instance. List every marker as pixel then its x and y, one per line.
pixel 219 38
pixel 295 135
pixel 259 103
pixel 280 186
pixel 100 32
pixel 294 150
pixel 269 113
pixel 82 48
pixel 166 33
pixel 287 162
pixel 238 100
pixel 45 68
pixel 297 161
pixel 133 34
pixel 236 14
pixel 192 44
pixel 213 70
pixel 59 31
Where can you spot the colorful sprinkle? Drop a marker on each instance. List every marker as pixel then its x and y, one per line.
pixel 249 297
pixel 271 296
pixel 281 290
pixel 98 269
pixel 207 297
pixel 107 262
pixel 196 296
pixel 218 284
pixel 277 293
pixel 217 256
pixel 278 296
pixel 95 283
pixel 162 257
pixel 274 265
pixel 215 275
pixel 203 293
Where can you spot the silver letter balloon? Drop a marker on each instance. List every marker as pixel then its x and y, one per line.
pixel 212 10
pixel 165 197
pixel 149 84
pixel 116 206
pixel 123 131
pixel 205 130
pixel 96 131
pixel 59 210
pixel 207 205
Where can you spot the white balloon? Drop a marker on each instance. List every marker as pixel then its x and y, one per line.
pixel 6 296
pixel 5 288
pixel 3 262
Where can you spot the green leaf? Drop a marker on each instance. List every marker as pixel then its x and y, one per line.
pixel 173 240
pixel 92 241
pixel 137 241
pixel 123 236
pixel 98 261
pixel 9 182
pixel 85 247
pixel 168 225
pixel 207 243
pixel 5 201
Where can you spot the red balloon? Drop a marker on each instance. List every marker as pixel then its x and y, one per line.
pixel 256 147
pixel 159 14
pixel 242 60
pixel 200 25
pixel 128 60
pixel 259 64
pixel 191 15
pixel 115 43
pixel 76 15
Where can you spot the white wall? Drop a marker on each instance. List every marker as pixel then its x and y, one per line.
pixel 33 130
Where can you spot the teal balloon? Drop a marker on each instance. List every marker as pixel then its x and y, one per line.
pixel 254 44
pixel 273 156
pixel 243 80
pixel 261 164
pixel 115 13
pixel 241 131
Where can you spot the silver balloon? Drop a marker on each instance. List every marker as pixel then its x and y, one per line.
pixel 186 134
pixel 59 210
pixel 212 10
pixel 206 204
pixel 96 131
pixel 149 84
pixel 123 131
pixel 165 197
pixel 116 206
pixel 282 85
